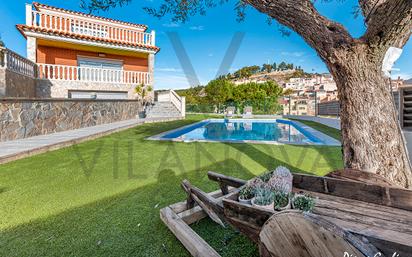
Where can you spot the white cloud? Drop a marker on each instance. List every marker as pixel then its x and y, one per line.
pixel 166 81
pixel 198 28
pixel 293 54
pixel 169 69
pixel 171 25
pixel 396 74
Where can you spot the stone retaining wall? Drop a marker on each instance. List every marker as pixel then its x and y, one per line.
pixel 22 118
pixel 14 84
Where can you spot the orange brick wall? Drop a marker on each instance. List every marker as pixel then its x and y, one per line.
pixel 61 56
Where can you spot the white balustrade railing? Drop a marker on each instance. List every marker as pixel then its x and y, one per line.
pixel 89 27
pixel 17 63
pixel 89 74
pixel 171 96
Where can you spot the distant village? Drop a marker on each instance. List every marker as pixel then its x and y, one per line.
pixel 304 91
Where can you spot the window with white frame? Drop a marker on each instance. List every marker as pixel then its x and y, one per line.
pixel 102 70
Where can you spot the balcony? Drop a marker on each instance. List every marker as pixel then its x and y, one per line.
pixel 88 74
pixel 44 20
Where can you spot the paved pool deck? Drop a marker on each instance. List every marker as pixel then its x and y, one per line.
pixel 22 148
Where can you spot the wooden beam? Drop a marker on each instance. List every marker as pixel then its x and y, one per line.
pixel 226 180
pixel 212 207
pixel 191 241
pixel 371 193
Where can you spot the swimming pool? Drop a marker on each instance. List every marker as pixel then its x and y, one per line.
pixel 248 131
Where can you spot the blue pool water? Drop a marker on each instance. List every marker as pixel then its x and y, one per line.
pixel 282 131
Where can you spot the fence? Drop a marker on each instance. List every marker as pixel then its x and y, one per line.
pixel 332 108
pixel 89 74
pixel 17 63
pixel 76 24
pixel 265 107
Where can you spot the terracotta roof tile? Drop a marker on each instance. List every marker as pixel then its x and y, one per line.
pixel 23 28
pixel 40 5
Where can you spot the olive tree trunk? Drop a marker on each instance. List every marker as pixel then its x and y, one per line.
pixel 372 138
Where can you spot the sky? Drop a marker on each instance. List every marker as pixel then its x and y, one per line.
pixel 207 38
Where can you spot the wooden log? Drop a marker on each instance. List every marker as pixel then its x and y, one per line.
pixel 372 193
pixel 212 207
pixel 291 234
pixel 226 180
pixel 196 213
pixel 181 206
pixel 191 241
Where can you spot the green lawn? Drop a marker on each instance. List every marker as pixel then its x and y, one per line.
pixel 102 197
pixel 335 133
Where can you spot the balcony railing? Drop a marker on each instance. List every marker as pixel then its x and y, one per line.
pixel 17 63
pixel 88 74
pixel 89 27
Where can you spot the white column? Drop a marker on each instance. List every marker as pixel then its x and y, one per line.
pixel 183 106
pixel 153 38
pixel 32 49
pixel 29 17
pixel 150 68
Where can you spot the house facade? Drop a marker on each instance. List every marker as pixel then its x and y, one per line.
pixel 85 56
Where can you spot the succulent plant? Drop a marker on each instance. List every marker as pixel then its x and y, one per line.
pixel 280 200
pixel 263 196
pixel 303 202
pixel 247 192
pixel 255 182
pixel 281 180
pixel 265 177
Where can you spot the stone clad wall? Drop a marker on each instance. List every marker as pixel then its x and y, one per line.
pixel 22 118
pixel 13 84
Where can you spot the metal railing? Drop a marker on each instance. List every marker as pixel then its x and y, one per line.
pixel 76 24
pixel 17 63
pixel 89 74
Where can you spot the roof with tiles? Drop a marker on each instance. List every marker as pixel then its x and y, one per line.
pixel 24 28
pixel 39 6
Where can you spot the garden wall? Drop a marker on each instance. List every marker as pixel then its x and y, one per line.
pixel 22 118
pixel 14 84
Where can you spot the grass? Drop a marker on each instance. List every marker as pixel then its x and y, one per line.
pixel 335 133
pixel 102 197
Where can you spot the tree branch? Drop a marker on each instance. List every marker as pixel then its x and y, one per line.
pixel 301 16
pixel 389 24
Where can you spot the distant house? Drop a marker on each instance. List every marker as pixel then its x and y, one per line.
pixel 81 56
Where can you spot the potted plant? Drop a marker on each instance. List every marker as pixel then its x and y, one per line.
pixel 303 202
pixel 263 198
pixel 281 180
pixel 256 182
pixel 246 194
pixel 265 177
pixel 281 201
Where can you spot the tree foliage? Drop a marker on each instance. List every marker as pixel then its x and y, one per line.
pixel 222 92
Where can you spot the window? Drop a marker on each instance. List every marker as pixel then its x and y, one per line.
pixel 104 70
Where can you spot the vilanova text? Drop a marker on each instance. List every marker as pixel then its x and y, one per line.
pixel 346 254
